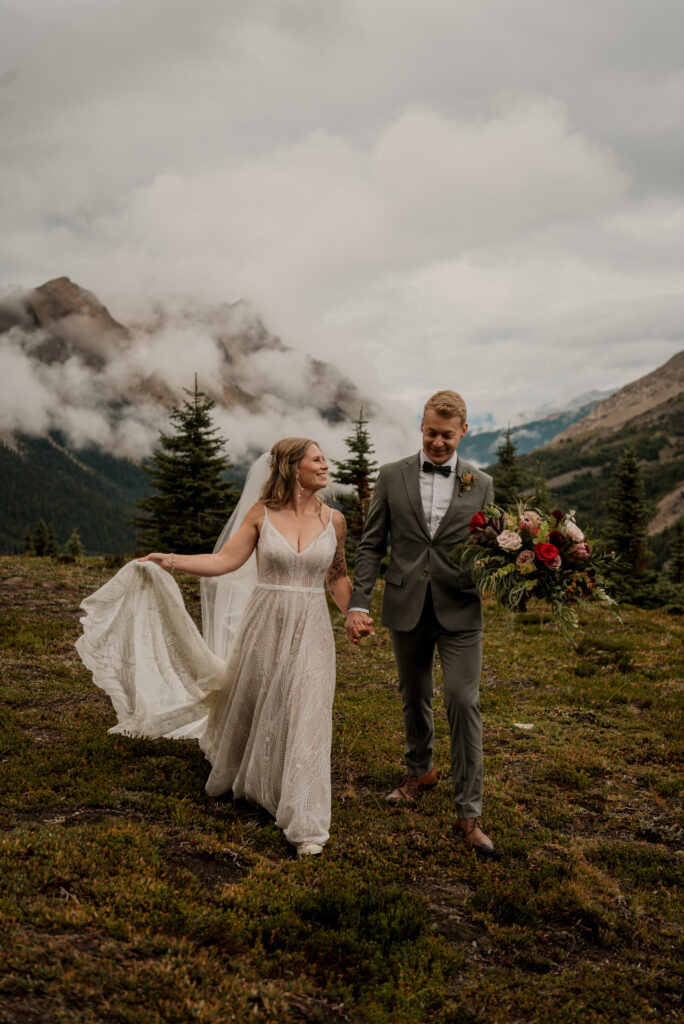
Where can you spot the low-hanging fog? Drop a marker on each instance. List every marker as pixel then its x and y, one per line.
pixel 480 196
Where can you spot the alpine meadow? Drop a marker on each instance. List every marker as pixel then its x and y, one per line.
pixel 128 895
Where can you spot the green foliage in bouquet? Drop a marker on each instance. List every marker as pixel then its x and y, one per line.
pixel 527 555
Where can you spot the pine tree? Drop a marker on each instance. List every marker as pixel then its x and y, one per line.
pixel 628 518
pixel 676 567
pixel 52 548
pixel 506 472
pixel 541 499
pixel 73 546
pixel 41 540
pixel 188 471
pixel 358 472
pixel 28 542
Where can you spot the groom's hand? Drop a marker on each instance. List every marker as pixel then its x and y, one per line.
pixel 358 624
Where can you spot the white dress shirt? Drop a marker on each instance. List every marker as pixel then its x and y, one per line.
pixel 436 492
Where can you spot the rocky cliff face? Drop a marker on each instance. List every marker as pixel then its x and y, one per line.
pixel 70 319
pixel 648 415
pixel 643 398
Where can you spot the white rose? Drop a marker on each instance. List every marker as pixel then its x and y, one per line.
pixel 509 541
pixel 574 533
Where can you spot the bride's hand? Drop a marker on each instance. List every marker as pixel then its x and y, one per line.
pixel 163 561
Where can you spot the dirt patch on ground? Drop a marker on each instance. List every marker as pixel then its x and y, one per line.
pixel 319 1010
pixel 346 786
pixel 71 816
pixel 213 871
pixel 447 914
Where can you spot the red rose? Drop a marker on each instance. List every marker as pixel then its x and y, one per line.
pixel 547 554
pixel 478 521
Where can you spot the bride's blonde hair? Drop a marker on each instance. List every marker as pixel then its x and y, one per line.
pixel 285 458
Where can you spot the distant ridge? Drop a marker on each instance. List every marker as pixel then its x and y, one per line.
pixel 647 414
pixel 642 398
pixel 481 447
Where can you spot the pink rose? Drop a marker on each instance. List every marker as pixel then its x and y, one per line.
pixel 555 564
pixel 580 552
pixel 525 562
pixel 509 541
pixel 574 533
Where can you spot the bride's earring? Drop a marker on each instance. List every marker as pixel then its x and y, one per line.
pixel 299 485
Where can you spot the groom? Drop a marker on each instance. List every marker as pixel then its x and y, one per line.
pixel 424 503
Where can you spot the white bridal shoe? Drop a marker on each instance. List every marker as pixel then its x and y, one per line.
pixel 308 849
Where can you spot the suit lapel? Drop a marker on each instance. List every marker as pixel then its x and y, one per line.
pixel 410 471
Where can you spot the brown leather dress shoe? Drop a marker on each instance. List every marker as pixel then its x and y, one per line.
pixel 475 836
pixel 412 787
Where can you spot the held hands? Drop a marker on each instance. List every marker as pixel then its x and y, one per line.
pixel 358 625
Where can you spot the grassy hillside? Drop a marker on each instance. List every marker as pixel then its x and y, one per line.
pixel 129 896
pixel 659 445
pixel 85 488
pixel 89 489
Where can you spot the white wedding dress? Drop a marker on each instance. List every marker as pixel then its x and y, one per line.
pixel 264 717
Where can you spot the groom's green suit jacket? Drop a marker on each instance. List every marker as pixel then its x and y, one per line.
pixel 396 518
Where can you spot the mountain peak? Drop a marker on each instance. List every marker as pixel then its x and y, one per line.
pixel 59 299
pixel 66 320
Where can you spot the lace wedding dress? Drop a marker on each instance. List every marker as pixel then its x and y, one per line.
pixel 264 717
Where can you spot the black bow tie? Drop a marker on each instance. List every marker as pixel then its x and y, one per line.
pixel 429 467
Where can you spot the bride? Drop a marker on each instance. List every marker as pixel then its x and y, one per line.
pixel 257 692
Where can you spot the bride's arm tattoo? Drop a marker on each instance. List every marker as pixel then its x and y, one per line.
pixel 338 581
pixel 338 566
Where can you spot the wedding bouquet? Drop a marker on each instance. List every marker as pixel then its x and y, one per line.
pixel 519 556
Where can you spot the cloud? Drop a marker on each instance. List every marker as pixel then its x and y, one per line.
pixel 174 355
pixel 25 402
pixel 123 402
pixel 490 193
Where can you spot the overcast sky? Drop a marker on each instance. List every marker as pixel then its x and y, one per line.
pixel 485 196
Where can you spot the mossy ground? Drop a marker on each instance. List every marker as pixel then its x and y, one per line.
pixel 127 895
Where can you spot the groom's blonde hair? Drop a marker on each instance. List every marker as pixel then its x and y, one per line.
pixel 285 458
pixel 447 404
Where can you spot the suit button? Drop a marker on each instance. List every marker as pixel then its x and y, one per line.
pixel 426 573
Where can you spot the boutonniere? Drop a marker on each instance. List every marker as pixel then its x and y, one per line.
pixel 467 481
